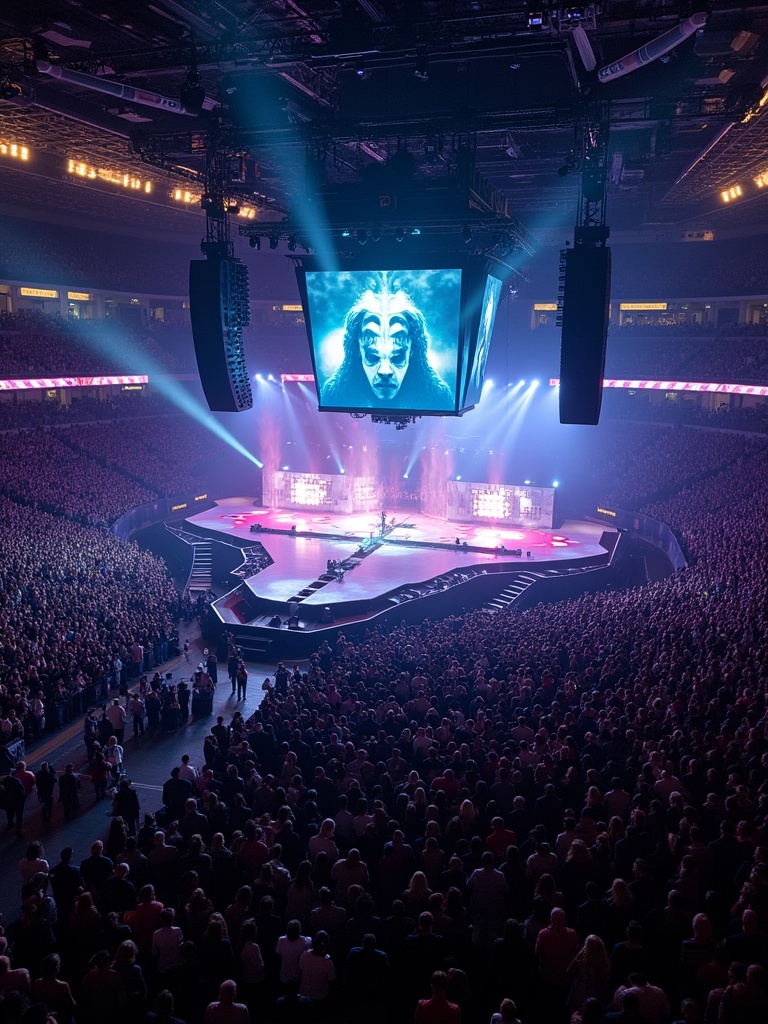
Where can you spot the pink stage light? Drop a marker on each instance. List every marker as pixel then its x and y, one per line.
pixel 679 385
pixel 293 378
pixel 47 383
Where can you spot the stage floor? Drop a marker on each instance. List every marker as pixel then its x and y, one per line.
pixel 404 559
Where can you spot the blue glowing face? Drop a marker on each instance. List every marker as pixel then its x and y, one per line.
pixel 385 348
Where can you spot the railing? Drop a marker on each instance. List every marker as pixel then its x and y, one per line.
pixel 156 511
pixel 644 528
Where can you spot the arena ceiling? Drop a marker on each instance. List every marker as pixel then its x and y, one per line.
pixel 327 94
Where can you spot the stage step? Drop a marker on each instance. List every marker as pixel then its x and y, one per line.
pixel 201 576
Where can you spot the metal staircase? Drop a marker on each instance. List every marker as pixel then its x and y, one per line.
pixel 518 586
pixel 201 574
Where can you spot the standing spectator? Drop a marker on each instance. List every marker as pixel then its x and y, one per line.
pixel 113 755
pixel 25 777
pixel 13 796
pixel 45 783
pixel 241 677
pixel 69 792
pixel 96 869
pixel 137 711
pixel 166 942
pixel 225 1010
pixel 290 948
pixel 116 716
pixel 317 971
pixel 66 881
pixel 437 1009
pixel 212 667
pixel 556 947
pixel 33 863
pixel 487 890
pixel 51 990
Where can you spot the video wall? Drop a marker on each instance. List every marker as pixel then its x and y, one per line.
pixel 325 492
pixel 411 340
pixel 508 504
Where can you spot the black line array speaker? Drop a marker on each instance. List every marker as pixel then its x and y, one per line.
pixel 585 310
pixel 218 306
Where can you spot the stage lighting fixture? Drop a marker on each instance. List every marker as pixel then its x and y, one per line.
pixel 421 71
pixel 359 68
pixel 362 236
pixel 273 241
pixel 555 483
pixel 400 234
pixel 535 19
pixel 346 233
pixel 375 234
pixel 233 207
pixel 255 242
pixel 466 233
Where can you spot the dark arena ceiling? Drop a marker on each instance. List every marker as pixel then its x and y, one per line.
pixel 332 98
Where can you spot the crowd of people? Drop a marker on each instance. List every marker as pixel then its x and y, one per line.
pixel 166 453
pixel 42 471
pixel 36 344
pixel 73 602
pixel 44 254
pixel 96 473
pixel 544 815
pixel 22 412
pixel 642 271
pixel 688 352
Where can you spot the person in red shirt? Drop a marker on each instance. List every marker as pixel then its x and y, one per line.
pixel 25 777
pixel 556 947
pixel 437 1010
pixel 500 839
pixel 448 783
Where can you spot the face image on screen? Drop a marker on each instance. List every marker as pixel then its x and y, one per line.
pixel 484 332
pixel 385 339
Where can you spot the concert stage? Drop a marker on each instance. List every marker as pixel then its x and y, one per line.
pixel 345 563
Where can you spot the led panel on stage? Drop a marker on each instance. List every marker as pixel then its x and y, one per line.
pixel 328 492
pixel 513 504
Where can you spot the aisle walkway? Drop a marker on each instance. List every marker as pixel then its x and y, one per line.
pixel 148 762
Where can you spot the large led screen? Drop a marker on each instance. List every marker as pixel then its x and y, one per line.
pixel 385 339
pixel 482 344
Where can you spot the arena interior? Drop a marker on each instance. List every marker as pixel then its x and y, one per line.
pixel 384 493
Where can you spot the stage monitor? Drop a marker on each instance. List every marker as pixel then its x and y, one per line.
pixel 398 338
